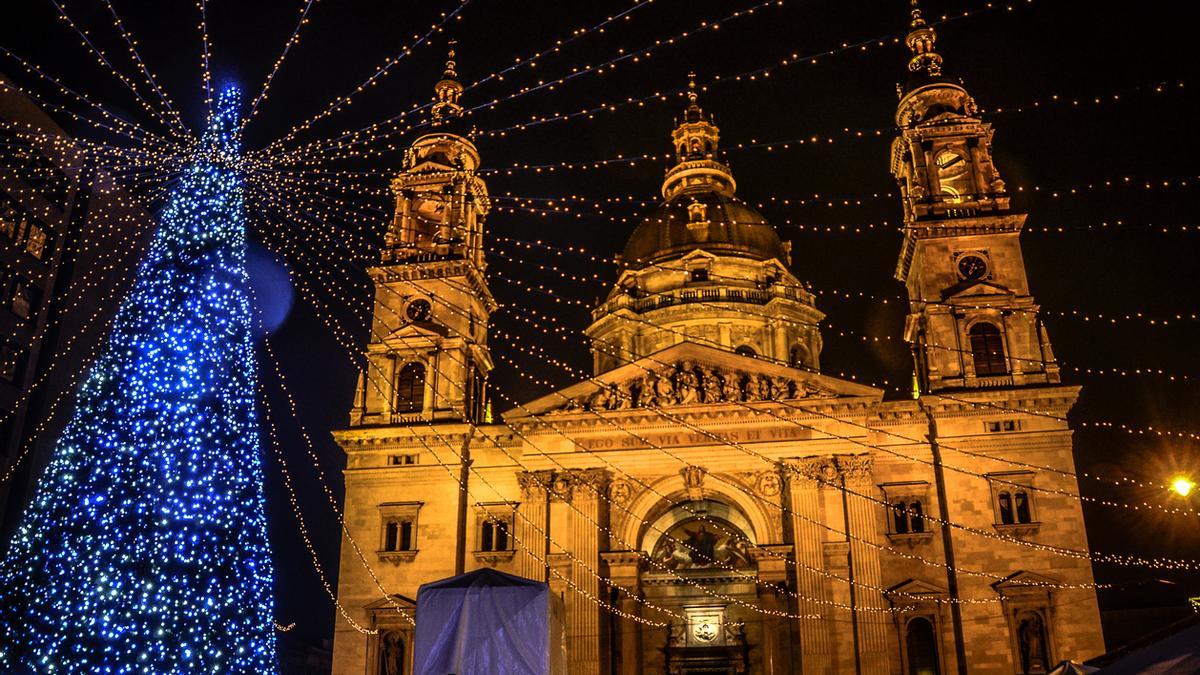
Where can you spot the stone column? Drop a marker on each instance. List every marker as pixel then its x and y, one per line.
pixel 624 571
pixel 531 524
pixel 861 516
pixel 583 539
pixel 804 488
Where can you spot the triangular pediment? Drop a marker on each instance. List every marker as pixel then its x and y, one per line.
pixel 1023 581
pixel 691 374
pixel 976 289
pixel 915 589
pixel 417 331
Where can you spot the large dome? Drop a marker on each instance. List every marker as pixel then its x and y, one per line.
pixel 707 221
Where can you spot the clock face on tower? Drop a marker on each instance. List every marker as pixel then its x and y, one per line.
pixel 972 267
pixel 418 310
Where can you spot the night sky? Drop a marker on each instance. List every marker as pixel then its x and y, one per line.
pixel 1007 58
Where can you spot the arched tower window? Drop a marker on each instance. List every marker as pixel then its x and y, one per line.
pixel 798 357
pixel 987 349
pixel 410 388
pixel 746 350
pixel 954 176
pixel 921 643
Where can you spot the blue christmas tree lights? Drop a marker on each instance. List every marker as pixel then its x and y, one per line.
pixel 145 548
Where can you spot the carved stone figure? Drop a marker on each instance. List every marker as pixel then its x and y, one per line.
pixel 1032 634
pixel 391 653
pixel 710 382
pixel 600 400
pixel 689 384
pixel 624 396
pixel 664 389
pixel 731 386
pixel 779 388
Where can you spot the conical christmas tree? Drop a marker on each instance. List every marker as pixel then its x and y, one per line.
pixel 145 548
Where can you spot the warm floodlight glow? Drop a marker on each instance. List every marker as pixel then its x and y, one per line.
pixel 1182 485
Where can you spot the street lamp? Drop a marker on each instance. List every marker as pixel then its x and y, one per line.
pixel 1182 485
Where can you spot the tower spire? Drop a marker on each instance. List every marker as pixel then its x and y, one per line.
pixel 447 91
pixel 921 40
pixel 695 139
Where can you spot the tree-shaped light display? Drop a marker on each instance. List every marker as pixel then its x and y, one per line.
pixel 145 548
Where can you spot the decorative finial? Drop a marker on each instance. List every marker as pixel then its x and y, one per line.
pixel 450 74
pixel 447 90
pixel 692 95
pixel 920 41
pixel 917 21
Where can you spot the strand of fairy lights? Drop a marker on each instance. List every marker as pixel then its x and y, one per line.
pixel 324 482
pixel 103 60
pixel 665 96
pixel 131 46
pixel 371 81
pixel 499 75
pixel 292 41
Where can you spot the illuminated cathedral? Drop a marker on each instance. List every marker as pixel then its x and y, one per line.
pixel 707 500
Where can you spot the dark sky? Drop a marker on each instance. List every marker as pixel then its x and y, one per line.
pixel 1007 58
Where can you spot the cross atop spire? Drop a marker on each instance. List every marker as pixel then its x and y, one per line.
pixel 693 113
pixel 447 91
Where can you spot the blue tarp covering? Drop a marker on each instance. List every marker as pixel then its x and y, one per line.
pixel 486 622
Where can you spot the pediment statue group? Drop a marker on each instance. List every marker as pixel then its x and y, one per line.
pixel 686 383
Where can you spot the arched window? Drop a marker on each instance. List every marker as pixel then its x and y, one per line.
pixel 987 349
pixel 1006 507
pixel 916 516
pixel 798 357
pixel 954 176
pixel 1021 506
pixel 746 350
pixel 410 388
pixel 922 648
pixel 900 518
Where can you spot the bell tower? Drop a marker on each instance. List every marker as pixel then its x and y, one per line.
pixel 972 321
pixel 428 357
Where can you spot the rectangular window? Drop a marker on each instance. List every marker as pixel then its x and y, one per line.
pixel 401 460
pixel 25 298
pixel 700 274
pixel 35 242
pixel 399 529
pixel 1001 426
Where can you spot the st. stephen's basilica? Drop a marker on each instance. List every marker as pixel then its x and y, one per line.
pixel 708 501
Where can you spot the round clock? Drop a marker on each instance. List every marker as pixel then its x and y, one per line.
pixel 972 267
pixel 419 310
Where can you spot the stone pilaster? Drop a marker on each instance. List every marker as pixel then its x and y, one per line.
pixel 861 517
pixel 772 561
pixel 804 487
pixel 531 524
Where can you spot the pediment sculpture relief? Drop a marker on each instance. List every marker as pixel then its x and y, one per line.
pixel 686 383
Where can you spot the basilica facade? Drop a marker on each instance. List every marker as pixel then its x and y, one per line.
pixel 708 501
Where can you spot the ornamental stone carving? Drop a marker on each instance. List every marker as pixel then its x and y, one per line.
pixel 768 484
pixel 693 481
pixel 619 491
pixel 831 470
pixel 564 485
pixel 686 383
